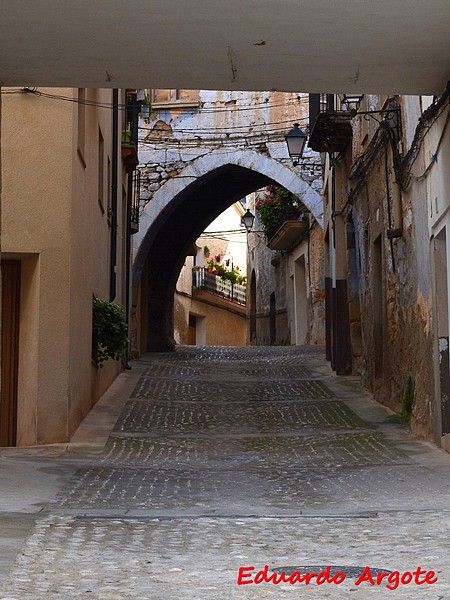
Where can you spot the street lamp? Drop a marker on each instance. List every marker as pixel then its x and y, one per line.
pixel 296 140
pixel 247 220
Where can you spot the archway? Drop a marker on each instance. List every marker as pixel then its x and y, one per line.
pixel 179 213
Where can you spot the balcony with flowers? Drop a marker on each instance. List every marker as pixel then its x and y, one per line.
pixel 220 280
pixel 282 218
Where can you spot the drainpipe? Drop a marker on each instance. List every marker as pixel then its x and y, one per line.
pixel 114 187
pixel 128 262
pixel 397 206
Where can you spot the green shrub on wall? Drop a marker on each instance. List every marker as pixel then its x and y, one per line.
pixel 109 331
pixel 408 400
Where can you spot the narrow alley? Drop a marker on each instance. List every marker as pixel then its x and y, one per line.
pixel 208 459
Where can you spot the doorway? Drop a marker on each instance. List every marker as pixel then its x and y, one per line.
pixel 10 270
pixel 273 319
pixel 440 267
pixel 192 332
pixel 301 306
pixel 378 304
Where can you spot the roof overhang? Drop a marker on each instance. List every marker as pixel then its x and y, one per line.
pixel 382 46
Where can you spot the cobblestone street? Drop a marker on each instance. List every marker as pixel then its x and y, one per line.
pixel 222 458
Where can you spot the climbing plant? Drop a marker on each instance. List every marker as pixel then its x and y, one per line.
pixel 109 331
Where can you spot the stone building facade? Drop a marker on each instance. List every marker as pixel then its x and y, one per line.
pixel 286 286
pixel 200 152
pixel 209 311
pixel 386 199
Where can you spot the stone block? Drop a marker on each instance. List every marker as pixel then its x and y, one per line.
pixel 354 310
pixel 356 339
pixel 153 177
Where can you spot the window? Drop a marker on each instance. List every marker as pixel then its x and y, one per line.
pixel 170 97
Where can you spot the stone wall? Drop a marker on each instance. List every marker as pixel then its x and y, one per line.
pixel 276 275
pixel 178 133
pixel 184 142
pixel 390 213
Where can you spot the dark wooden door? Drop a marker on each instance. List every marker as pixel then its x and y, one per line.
pixel 192 335
pixel 10 351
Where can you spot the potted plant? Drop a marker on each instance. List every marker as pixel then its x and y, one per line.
pixel 276 206
pixel 206 251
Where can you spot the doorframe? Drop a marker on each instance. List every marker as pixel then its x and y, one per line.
pixel 10 323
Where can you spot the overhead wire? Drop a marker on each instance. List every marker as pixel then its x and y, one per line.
pixel 122 106
pixel 179 130
pixel 228 128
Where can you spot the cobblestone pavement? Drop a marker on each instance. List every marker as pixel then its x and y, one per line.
pixel 226 457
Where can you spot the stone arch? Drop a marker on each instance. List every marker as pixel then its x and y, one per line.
pixel 178 213
pixel 207 164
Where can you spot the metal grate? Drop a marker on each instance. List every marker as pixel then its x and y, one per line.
pixel 350 572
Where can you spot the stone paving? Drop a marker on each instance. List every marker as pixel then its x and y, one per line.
pixel 223 458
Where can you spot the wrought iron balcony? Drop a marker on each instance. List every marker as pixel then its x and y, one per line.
pixel 330 129
pixel 209 282
pixel 130 133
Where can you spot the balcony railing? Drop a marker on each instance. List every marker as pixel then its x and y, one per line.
pixel 135 201
pixel 130 133
pixel 209 282
pixel 330 129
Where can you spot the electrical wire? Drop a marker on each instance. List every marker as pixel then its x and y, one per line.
pixel 107 105
pixel 268 136
pixel 179 130
pixel 200 130
pixel 187 142
pixel 235 107
pixel 434 156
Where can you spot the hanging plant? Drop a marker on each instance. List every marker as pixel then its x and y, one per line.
pixel 276 205
pixel 109 331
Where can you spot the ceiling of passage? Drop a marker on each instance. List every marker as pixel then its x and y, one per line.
pixel 367 46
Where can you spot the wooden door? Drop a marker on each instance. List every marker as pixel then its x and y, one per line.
pixel 10 351
pixel 192 335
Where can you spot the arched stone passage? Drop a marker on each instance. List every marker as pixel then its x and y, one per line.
pixel 180 212
pixel 202 168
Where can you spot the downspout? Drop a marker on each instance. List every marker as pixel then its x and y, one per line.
pixel 128 263
pixel 114 191
pixel 389 207
pixel 131 191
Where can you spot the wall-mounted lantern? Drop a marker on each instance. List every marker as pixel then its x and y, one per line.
pixel 296 140
pixel 247 220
